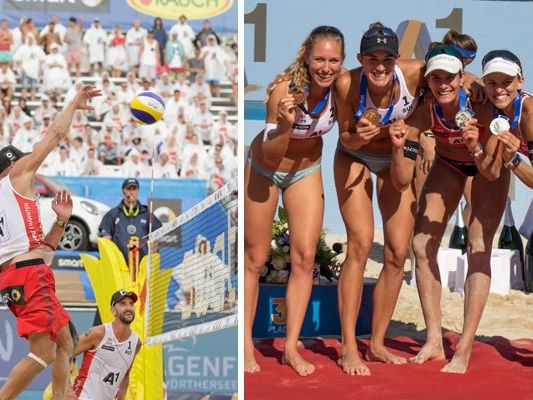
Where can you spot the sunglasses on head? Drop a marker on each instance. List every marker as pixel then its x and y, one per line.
pixel 387 32
pixel 449 50
pixel 505 54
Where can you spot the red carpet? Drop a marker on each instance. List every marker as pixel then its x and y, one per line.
pixel 499 369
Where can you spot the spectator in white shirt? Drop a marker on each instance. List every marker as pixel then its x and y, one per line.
pixel 45 108
pixel 133 166
pixel 118 116
pixel 165 87
pixel 92 165
pixel 117 58
pixel 55 79
pixel 164 168
pixel 174 107
pixel 29 58
pixel 216 63
pixel 78 151
pixel 225 128
pixel 64 166
pixel 200 90
pixel 15 119
pixel 185 35
pixel 203 123
pixel 95 39
pixel 124 93
pixel 134 37
pixel 7 80
pixel 149 57
pixel 79 122
pixel 26 136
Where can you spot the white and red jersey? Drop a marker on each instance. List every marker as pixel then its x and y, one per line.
pixel 103 369
pixel 20 223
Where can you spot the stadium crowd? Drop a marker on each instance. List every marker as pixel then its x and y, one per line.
pixel 40 70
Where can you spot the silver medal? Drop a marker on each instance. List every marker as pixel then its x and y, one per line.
pixel 462 117
pixel 498 125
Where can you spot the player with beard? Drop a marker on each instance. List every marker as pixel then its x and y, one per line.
pixel 109 351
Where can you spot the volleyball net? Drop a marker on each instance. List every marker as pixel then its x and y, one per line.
pixel 192 287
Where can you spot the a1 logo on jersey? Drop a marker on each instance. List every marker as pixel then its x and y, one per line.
pixel 128 350
pixel 111 378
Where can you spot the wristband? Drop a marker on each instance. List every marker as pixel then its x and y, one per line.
pixel 514 162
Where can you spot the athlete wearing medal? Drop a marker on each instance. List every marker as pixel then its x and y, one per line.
pixel 285 159
pixel 390 87
pixel 461 152
pixel 512 112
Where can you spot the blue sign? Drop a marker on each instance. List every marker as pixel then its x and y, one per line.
pixel 204 363
pixel 321 318
pixel 13 348
pixel 108 190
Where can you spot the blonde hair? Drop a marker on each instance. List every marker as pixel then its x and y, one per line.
pixel 298 71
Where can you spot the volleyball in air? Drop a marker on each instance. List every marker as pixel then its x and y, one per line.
pixel 147 108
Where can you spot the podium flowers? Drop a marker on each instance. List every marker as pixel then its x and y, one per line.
pixel 277 268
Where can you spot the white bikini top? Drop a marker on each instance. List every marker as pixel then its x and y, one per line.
pixel 403 107
pixel 305 126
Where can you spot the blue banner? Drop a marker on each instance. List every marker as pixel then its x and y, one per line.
pixel 204 363
pixel 109 191
pixel 321 318
pixel 221 13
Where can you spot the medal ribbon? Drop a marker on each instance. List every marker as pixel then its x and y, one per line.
pixel 362 99
pixel 317 110
pixel 517 102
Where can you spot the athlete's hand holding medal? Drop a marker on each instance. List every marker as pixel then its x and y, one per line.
pixel 368 126
pixel 287 105
pixel 470 133
pixel 511 144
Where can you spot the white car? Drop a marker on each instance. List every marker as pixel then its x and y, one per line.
pixel 81 231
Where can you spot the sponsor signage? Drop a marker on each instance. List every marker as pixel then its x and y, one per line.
pixel 171 9
pixel 79 6
pixel 204 363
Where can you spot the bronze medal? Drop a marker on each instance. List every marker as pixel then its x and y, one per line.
pixel 372 116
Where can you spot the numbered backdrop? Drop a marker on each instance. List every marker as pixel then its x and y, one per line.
pixel 274 30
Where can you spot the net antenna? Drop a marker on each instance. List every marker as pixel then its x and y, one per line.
pixel 192 278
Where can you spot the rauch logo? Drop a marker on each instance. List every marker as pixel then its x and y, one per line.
pixel 171 9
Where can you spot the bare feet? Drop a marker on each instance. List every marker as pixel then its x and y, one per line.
pixel 380 353
pixel 250 364
pixel 351 363
pixel 297 363
pixel 458 365
pixel 430 351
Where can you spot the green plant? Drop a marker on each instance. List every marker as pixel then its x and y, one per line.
pixel 278 265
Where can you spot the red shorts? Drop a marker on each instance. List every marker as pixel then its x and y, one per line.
pixel 28 289
pixel 73 57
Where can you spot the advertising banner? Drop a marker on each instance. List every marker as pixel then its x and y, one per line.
pixel 221 13
pixel 205 363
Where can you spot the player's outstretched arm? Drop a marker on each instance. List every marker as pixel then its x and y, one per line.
pixel 27 166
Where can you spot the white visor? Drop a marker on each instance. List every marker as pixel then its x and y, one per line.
pixel 444 62
pixel 502 65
